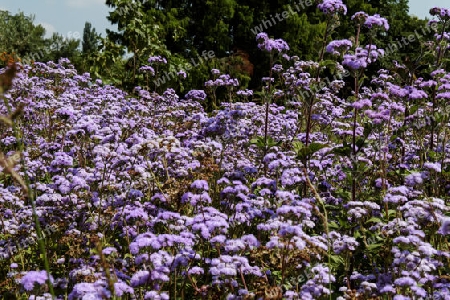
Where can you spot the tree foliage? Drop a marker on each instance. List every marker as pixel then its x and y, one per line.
pixel 90 39
pixel 185 28
pixel 19 36
pixel 180 30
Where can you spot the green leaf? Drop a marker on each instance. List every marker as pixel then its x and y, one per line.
pixel 344 150
pixel 314 147
pixel 336 259
pixel 413 109
pixel 360 143
pixel 304 152
pixel 333 225
pixel 392 212
pixel 297 145
pixel 368 127
pixel 374 246
pixel 374 220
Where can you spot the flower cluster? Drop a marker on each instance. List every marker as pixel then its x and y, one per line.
pixel 267 44
pixel 362 57
pixel 339 47
pixel 196 95
pixel 157 59
pixel 153 197
pixel 376 21
pixel 331 7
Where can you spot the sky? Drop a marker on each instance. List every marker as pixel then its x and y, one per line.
pixel 68 17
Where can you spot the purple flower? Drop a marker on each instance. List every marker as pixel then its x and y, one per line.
pixel 339 47
pixel 120 288
pixel 376 21
pixel 331 7
pixel 268 44
pixel 34 277
pixel 245 93
pixel 353 62
pixel 445 226
pixel 441 13
pixel 196 271
pixel 147 69
pixel 140 278
pixel 360 17
pixel 182 74
pixel 109 250
pixel 157 59
pixel 199 95
pixel 433 166
pixel 362 103
pixel 414 179
pixel 153 295
pixel 95 291
pixel 405 281
pixel 62 159
pixel 200 185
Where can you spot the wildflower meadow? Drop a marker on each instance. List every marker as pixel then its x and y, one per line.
pixel 326 183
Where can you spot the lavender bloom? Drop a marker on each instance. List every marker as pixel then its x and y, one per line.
pixel 353 62
pixel 199 95
pixel 338 47
pixel 433 166
pixel 268 44
pixel 360 17
pixel 405 281
pixel 62 159
pixel 95 291
pixel 34 277
pixel 120 288
pixel 245 93
pixel 376 21
pixel 445 226
pixel 196 271
pixel 200 185
pixel 414 179
pixel 441 13
pixel 277 68
pixel 157 59
pixel 344 243
pixel 362 103
pixel 182 74
pixel 362 57
pixel 140 278
pixel 153 295
pixel 331 7
pixel 109 250
pixel 147 69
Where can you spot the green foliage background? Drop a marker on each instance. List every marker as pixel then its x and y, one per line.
pixel 180 30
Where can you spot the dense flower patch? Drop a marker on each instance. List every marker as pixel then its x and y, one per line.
pixel 307 194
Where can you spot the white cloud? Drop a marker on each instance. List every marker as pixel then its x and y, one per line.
pixel 84 3
pixel 49 29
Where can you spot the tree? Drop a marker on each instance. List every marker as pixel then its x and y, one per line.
pixel 61 47
pixel 90 39
pixel 20 36
pixel 138 33
pixel 188 27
